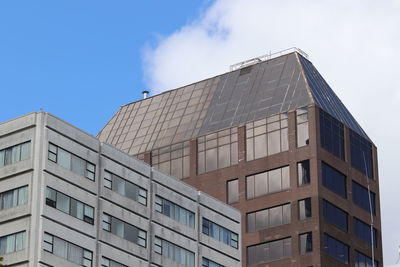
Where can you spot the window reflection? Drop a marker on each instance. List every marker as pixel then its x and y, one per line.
pixel 173 160
pixel 267 182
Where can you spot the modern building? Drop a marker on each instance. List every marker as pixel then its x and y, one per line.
pixel 272 139
pixel 66 199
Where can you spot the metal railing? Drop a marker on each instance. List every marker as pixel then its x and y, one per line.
pixel 267 57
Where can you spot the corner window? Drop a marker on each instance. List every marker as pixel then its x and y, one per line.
pixel 232 191
pixel 303 172
pixel 302 127
pixel 306 244
pixel 305 209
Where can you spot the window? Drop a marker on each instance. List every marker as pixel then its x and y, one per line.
pixel 209 263
pixel 124 230
pixel 334 180
pixel 305 243
pixel 174 211
pixel 220 233
pixel 12 243
pixel 67 250
pixel 363 232
pixel 174 252
pixel 173 160
pixel 69 205
pixel 71 162
pixel 125 188
pixel 106 262
pixel 302 127
pixel 336 249
pixel 267 137
pixel 305 209
pixel 269 251
pixel 303 172
pixel 331 134
pixel 14 197
pixel 335 215
pixel 268 218
pixel 264 183
pixel 360 197
pixel 217 150
pixel 364 261
pixel 361 153
pixel 232 191
pixel 14 154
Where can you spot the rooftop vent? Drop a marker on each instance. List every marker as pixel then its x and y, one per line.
pixel 145 94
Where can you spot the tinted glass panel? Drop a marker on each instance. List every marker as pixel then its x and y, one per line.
pixel 335 215
pixel 361 154
pixel 332 134
pixel 334 180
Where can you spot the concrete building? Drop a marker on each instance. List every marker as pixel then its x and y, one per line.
pixel 66 199
pixel 272 139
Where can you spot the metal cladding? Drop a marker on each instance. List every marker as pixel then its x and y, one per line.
pixel 270 87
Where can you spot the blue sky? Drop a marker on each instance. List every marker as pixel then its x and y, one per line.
pixel 80 60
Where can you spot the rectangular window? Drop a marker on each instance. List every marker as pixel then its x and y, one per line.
pixel 232 191
pixel 303 172
pixel 267 137
pixel 362 230
pixel 217 150
pixel 269 251
pixel 334 180
pixel 335 215
pixel 71 162
pixel 305 209
pixel 267 218
pixel 336 249
pixel 174 211
pixel 14 154
pixel 125 188
pixel 67 250
pixel 306 244
pixel 264 183
pixel 364 261
pixel 12 243
pixel 332 134
pixel 361 199
pixel 173 160
pixel 209 263
pixel 14 197
pixel 361 154
pixel 174 252
pixel 220 233
pixel 124 230
pixel 106 262
pixel 302 127
pixel 69 205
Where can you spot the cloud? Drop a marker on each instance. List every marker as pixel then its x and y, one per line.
pixel 354 44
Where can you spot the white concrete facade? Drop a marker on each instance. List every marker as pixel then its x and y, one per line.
pixel 85 239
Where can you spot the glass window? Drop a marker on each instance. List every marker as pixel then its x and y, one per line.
pixel 267 182
pixel 305 209
pixel 364 261
pixel 302 127
pixel 174 252
pixel 209 263
pixel 173 160
pixel 13 242
pixel 335 215
pixel 14 197
pixel 306 244
pixel 14 154
pixel 174 211
pixel 361 199
pixel 105 262
pixel 233 191
pixel 336 249
pixel 269 217
pixel 269 251
pixel 303 172
pixel 220 233
pixel 361 154
pixel 362 230
pixel 331 134
pixel 334 180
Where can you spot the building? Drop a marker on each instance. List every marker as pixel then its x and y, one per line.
pixel 272 139
pixel 66 199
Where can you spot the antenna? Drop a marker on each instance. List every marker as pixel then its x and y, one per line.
pixel 370 210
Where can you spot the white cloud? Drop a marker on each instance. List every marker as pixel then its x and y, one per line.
pixel 354 44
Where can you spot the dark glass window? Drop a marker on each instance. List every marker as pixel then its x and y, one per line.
pixel 174 252
pixel 209 263
pixel 14 197
pixel 269 251
pixel 306 244
pixel 303 172
pixel 233 191
pixel 360 197
pixel 15 154
pixel 267 218
pixel 302 127
pixel 332 134
pixel 305 209
pixel 264 183
pixel 220 233
pixel 334 180
pixel 361 154
pixel 335 215
pixel 364 261
pixel 174 211
pixel 105 262
pixel 363 232
pixel 336 249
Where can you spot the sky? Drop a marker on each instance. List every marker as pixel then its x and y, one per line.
pixel 82 60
